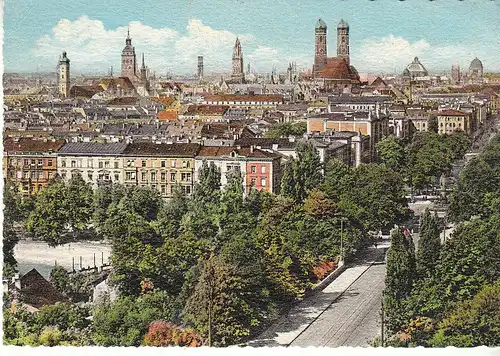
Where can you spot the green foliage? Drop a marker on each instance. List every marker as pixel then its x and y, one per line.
pixel 474 322
pixel 432 124
pixel 60 279
pixel 392 153
pixel 401 272
pixel 78 203
pixel 477 193
pixel 303 174
pixel 11 212
pixel 286 129
pixel 125 321
pixel 48 220
pixel 429 245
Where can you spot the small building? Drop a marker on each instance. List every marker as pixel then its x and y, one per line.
pixel 450 121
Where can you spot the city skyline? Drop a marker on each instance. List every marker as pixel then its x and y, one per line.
pixel 383 40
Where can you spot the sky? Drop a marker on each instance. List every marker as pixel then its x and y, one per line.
pixel 385 35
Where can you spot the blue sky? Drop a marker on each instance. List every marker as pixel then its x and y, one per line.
pixel 385 34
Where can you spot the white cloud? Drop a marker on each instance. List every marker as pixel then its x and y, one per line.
pixel 91 47
pixel 395 53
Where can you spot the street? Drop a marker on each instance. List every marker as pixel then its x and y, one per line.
pixel 354 318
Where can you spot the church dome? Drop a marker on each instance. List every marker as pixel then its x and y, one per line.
pixel 415 69
pixel 476 65
pixel 320 24
pixel 343 24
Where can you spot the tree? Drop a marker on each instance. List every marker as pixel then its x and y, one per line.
pixel 125 322
pixel 60 279
pixel 303 174
pixel 392 153
pixel 401 271
pixel 169 217
pixel 474 322
pixel 432 124
pixel 78 202
pixel 48 221
pixel 429 245
pixel 161 333
pixel 207 189
pixel 286 129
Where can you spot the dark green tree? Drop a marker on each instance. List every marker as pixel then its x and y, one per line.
pixel 392 153
pixel 401 273
pixel 429 245
pixel 432 124
pixel 78 199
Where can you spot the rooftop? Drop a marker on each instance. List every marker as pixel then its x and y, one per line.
pixel 31 145
pixel 93 148
pixel 162 149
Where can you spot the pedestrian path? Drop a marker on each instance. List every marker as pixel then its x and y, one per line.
pixel 287 328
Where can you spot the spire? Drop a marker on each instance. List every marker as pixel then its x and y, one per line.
pixel 128 40
pixel 143 66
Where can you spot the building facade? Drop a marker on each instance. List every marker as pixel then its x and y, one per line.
pixel 450 121
pixel 30 163
pixel 237 75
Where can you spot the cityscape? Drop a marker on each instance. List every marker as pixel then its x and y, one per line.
pixel 215 188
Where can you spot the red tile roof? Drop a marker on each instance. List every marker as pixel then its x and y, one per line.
pixel 31 145
pixel 165 100
pixel 167 116
pixel 336 68
pixel 450 112
pixel 245 98
pixel 225 151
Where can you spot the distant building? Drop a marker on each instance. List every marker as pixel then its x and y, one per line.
pixel 450 121
pixel 475 75
pixel 200 68
pixel 455 74
pixel 63 76
pixel 130 70
pixel 237 75
pixel 415 69
pixel 334 74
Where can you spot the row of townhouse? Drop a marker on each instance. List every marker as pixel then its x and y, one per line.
pixel 161 166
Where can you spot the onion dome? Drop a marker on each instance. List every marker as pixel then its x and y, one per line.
pixel 320 24
pixel 343 24
pixel 415 69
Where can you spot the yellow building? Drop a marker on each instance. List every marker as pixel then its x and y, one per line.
pixel 161 166
pixel 450 121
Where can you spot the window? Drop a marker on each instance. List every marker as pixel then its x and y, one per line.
pixel 163 176
pixel 254 169
pixel 263 169
pixel 163 164
pixel 253 181
pixel 129 163
pixel 143 163
pixel 130 175
pixel 100 164
pixel 73 164
pixel 186 177
pixel 40 162
pixel 26 175
pixel 89 163
pixel 143 176
pixel 163 190
pixel 116 165
pixel 263 182
pixel 49 163
pixel 106 164
pixel 153 176
pixel 32 162
pixel 172 177
pixel 173 163
pixel 26 162
pixel 117 177
pixel 90 175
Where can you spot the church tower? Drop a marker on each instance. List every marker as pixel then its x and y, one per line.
pixel 320 50
pixel 343 41
pixel 237 75
pixel 63 76
pixel 129 66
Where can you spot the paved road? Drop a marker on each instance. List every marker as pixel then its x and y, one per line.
pixel 353 319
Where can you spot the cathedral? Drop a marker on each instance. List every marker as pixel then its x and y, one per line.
pixel 334 74
pixel 129 68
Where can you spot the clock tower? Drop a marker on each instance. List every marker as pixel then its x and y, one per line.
pixel 129 66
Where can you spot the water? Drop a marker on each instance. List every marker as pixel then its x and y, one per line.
pixel 39 255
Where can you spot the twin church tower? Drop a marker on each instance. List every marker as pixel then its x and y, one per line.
pixel 320 55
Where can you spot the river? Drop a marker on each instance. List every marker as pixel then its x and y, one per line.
pixel 39 255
